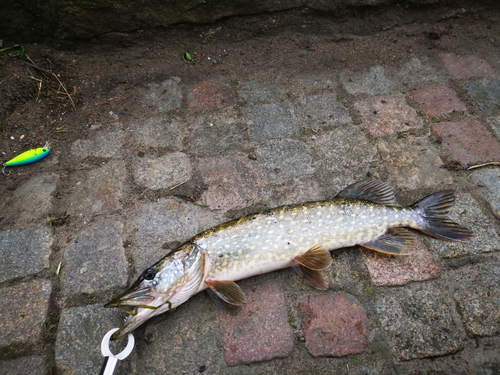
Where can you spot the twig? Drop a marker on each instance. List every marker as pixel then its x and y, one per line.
pixel 483 165
pixel 66 91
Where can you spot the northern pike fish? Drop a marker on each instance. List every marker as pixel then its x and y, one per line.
pixel 298 236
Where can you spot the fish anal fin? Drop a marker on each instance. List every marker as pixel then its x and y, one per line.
pixel 312 277
pixel 395 241
pixel 223 305
pixel 375 191
pixel 316 258
pixel 228 291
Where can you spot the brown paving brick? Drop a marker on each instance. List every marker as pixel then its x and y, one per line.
pixel 207 95
pixel 334 325
pixel 386 270
pixel 438 100
pixel 260 331
pixel 467 141
pixel 465 67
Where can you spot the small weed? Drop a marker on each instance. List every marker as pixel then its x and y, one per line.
pixel 368 288
pixel 291 320
pixel 354 360
pixel 261 202
pixel 228 148
pixel 355 275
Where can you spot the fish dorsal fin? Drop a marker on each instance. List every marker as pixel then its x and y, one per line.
pixel 228 293
pixel 312 277
pixel 316 258
pixel 375 191
pixel 395 241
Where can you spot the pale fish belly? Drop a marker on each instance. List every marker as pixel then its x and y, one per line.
pixel 269 241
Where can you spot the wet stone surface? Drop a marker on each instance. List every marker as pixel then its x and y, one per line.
pixel 486 92
pixel 322 111
pixel 372 82
pixel 165 96
pixel 270 121
pixel 105 145
pixel 438 100
pixel 164 172
pixel 34 365
pixel 489 180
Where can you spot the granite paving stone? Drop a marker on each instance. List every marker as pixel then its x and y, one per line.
pixel 260 331
pixel 164 96
pixel 438 100
pixel 163 172
pixel 268 121
pixel 467 141
pixel 489 180
pixel 485 92
pixel 372 82
pixel 90 258
pixel 157 131
pixel 334 325
pixel 420 322
pixel 467 211
pixel 232 182
pixel 386 270
pixel 103 145
pixel 321 111
pixel 477 294
pixel 33 365
pixel 418 72
pixel 284 159
pixel 78 341
pixel 413 162
pixel 256 92
pixel 32 201
pixel 99 191
pixel 24 310
pixel 24 252
pixel 466 66
pixel 494 123
pixel 385 115
pixel 210 95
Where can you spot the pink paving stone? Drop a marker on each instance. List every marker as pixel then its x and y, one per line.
pixel 467 141
pixel 206 95
pixel 465 67
pixel 232 182
pixel 260 331
pixel 334 325
pixel 384 115
pixel 438 100
pixel 387 270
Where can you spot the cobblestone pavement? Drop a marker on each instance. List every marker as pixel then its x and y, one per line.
pixel 213 147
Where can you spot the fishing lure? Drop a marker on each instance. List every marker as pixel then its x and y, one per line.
pixel 27 157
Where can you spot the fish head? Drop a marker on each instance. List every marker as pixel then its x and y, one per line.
pixel 161 287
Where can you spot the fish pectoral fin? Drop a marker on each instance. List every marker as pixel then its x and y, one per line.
pixel 312 277
pixel 395 241
pixel 228 291
pixel 223 305
pixel 375 191
pixel 316 258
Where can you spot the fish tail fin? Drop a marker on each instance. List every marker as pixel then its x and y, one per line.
pixel 434 209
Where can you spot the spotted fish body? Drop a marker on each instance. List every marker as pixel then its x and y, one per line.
pixel 298 236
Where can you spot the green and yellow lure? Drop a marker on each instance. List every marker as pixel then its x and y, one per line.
pixel 27 157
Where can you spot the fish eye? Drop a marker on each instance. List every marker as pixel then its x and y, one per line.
pixel 149 274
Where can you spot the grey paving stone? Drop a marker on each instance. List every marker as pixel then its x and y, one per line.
pixel 94 262
pixel 417 72
pixel 99 191
pixel 161 131
pixel 489 179
pixel 269 121
pixel 23 310
pixel 494 123
pixel 486 92
pixel 165 96
pixel 24 252
pixel 33 200
pixel 255 92
pixel 79 336
pixel 420 322
pixel 33 365
pixel 102 145
pixel 284 159
pixel 477 294
pixel 371 82
pixel 468 213
pixel 215 135
pixel 321 111
pixel 413 163
pixel 163 172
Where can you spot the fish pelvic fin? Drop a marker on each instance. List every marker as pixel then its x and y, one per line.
pixel 395 241
pixel 313 277
pixel 434 209
pixel 316 258
pixel 226 294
